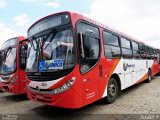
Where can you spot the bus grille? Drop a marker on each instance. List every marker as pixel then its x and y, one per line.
pixel 42 78
pixel 46 99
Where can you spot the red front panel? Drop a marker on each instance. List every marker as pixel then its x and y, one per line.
pixel 71 98
pixel 19 86
pixel 8 87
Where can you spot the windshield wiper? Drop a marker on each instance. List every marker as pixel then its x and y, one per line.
pixel 6 54
pixel 44 39
pixel 39 43
pixel 52 31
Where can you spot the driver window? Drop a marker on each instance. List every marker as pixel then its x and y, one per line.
pixel 89 46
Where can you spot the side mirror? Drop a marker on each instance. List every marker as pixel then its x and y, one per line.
pixel 23 56
pixel 23 51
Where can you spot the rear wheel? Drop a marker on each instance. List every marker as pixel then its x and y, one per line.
pixel 112 90
pixel 149 76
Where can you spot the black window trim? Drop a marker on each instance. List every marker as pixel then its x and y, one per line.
pixel 118 36
pixel 142 55
pixel 114 34
pixel 136 43
pixel 136 56
pixel 128 39
pixel 125 54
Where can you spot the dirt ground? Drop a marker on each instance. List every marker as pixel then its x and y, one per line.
pixel 141 101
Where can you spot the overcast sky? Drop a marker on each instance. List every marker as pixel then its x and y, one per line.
pixel 137 18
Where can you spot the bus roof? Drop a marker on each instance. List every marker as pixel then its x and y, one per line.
pixel 19 39
pixel 83 17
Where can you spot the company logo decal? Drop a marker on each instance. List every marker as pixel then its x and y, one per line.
pixel 126 66
pixel 51 65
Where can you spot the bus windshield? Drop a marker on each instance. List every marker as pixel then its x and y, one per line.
pixel 52 53
pixel 9 61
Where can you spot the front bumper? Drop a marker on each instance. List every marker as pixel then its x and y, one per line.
pixel 68 99
pixel 6 87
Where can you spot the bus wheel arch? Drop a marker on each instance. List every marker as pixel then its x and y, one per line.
pixel 113 88
pixel 117 78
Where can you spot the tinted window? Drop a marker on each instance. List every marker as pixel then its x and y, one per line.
pixel 155 54
pixel 136 54
pixel 110 39
pixel 126 53
pixel 147 50
pixel 111 45
pixel 88 29
pixel 135 46
pixel 152 53
pixel 112 51
pixel 125 43
pixel 91 47
pixel 135 49
pixel 142 51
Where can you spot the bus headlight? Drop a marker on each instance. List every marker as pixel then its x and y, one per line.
pixel 13 80
pixel 65 86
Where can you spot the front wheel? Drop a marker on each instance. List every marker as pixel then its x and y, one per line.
pixel 112 90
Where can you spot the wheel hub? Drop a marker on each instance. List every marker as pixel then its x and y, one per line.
pixel 112 90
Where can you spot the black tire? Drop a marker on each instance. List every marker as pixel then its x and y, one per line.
pixel 112 91
pixel 149 76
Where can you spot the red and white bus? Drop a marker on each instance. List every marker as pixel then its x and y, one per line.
pixel 13 75
pixel 74 61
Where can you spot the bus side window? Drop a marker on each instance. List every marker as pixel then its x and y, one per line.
pixel 91 47
pixel 126 48
pixel 111 45
pixel 135 47
pixel 142 51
